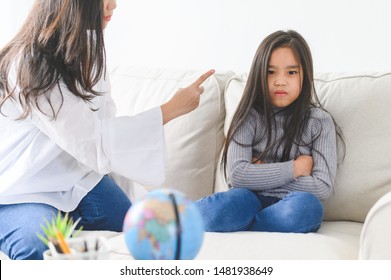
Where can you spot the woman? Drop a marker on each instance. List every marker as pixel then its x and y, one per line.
pixel 60 136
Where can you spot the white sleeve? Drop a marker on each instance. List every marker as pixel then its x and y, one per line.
pixel 133 146
pixel 137 146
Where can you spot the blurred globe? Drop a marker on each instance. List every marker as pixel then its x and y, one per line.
pixel 164 225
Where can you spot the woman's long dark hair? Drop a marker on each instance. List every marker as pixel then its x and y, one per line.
pixel 61 39
pixel 256 96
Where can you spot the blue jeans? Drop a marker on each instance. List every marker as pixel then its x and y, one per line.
pixel 240 209
pixel 103 208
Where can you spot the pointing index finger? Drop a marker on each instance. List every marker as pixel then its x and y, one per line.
pixel 203 77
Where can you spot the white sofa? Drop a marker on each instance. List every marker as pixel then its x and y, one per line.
pixel 357 221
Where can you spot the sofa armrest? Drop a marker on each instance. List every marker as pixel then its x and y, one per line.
pixel 375 241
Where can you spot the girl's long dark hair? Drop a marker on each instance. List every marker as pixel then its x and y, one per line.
pixel 256 96
pixel 61 39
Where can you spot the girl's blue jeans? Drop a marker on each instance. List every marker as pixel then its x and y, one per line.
pixel 103 208
pixel 240 209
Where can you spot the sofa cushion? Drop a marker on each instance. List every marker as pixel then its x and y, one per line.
pixel 333 241
pixel 193 140
pixel 360 104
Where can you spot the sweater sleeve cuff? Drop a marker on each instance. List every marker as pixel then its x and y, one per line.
pixel 288 171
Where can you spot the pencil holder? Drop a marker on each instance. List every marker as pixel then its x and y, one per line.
pixel 91 248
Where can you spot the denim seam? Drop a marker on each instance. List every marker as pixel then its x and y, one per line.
pixel 94 206
pixel 244 227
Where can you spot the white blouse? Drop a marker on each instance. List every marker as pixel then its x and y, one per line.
pixel 59 161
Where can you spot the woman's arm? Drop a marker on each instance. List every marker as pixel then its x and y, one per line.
pixel 104 143
pixel 101 142
pixel 185 99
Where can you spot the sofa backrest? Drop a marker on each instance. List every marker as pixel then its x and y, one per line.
pixel 194 140
pixel 361 105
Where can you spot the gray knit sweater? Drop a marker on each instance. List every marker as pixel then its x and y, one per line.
pixel 277 178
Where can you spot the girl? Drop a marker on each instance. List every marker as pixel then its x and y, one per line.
pixel 58 130
pixel 280 154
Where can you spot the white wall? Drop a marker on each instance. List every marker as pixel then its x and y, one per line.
pixel 13 13
pixel 345 35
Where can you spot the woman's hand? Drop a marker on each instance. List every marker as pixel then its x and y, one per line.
pixel 185 99
pixel 303 166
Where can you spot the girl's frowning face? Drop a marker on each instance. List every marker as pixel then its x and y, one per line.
pixel 285 77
